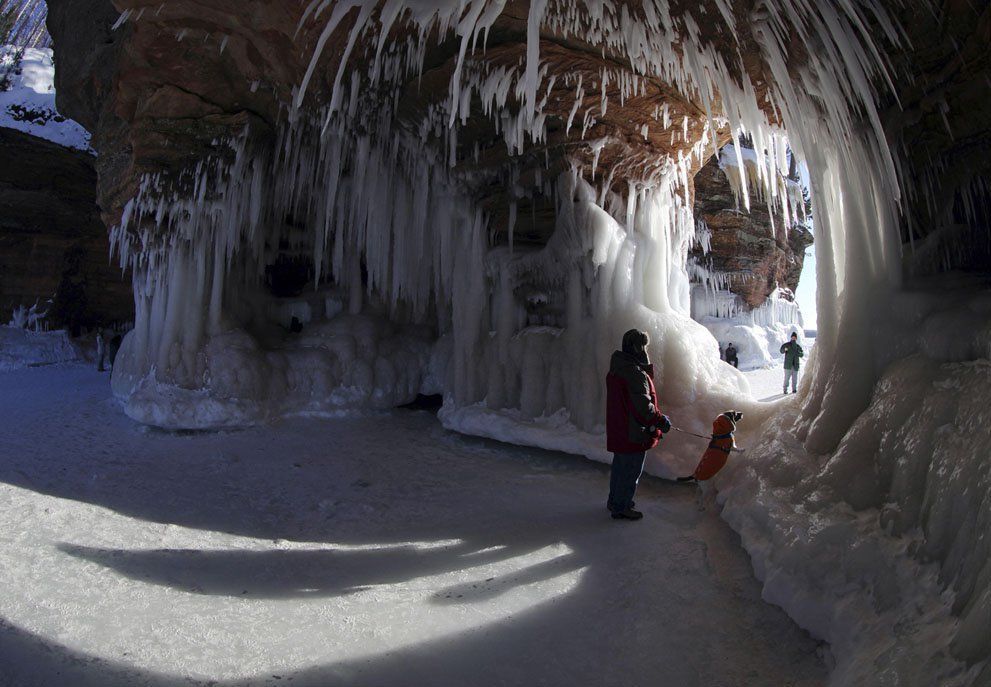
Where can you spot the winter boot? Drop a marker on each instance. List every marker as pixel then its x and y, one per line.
pixel 628 514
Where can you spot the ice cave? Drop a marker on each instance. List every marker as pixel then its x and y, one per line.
pixel 361 265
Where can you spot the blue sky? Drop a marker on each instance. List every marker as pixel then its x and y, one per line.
pixel 806 292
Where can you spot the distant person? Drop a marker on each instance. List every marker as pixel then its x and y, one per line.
pixel 722 354
pixel 731 356
pixel 634 423
pixel 793 353
pixel 101 349
pixel 295 326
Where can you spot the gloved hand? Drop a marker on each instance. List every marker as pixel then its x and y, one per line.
pixel 665 424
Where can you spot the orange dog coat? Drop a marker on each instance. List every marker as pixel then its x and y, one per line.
pixel 719 449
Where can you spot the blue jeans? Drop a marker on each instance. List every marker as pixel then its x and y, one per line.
pixel 791 374
pixel 623 479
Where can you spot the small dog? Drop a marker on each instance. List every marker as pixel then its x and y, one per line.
pixel 722 444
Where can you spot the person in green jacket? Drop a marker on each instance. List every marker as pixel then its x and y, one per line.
pixel 793 353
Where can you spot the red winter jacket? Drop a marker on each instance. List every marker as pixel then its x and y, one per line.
pixel 631 405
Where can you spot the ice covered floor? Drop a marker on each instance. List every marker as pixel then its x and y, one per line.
pixel 366 550
pixel 765 384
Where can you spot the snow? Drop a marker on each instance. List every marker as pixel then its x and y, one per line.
pixel 758 345
pixel 29 104
pixel 25 348
pixel 766 382
pixel 372 549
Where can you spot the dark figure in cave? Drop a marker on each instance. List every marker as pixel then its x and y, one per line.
pixel 793 353
pixel 731 356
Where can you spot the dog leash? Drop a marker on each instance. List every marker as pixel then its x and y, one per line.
pixel 685 431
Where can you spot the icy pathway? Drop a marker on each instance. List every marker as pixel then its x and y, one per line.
pixel 765 384
pixel 373 550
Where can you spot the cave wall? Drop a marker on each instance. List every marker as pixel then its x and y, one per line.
pixel 939 118
pixel 53 243
pixel 158 103
pixel 756 252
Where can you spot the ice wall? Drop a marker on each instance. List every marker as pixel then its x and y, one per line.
pixel 206 329
pixel 207 349
pixel 880 547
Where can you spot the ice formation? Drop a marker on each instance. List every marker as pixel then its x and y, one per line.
pixel 888 531
pixel 757 334
pixel 20 347
pixel 523 336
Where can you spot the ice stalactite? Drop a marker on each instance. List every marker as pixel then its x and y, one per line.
pixel 548 318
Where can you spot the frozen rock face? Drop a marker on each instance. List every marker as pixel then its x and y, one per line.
pixel 155 104
pixel 54 244
pixel 756 255
pixel 173 85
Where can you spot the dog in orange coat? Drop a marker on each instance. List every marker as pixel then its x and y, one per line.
pixel 721 445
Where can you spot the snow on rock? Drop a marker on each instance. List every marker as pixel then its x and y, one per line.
pixel 28 105
pixel 24 348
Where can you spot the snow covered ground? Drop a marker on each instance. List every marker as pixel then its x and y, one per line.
pixel 29 104
pixel 765 383
pixel 375 549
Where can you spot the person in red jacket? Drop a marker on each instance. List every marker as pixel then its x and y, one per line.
pixel 634 423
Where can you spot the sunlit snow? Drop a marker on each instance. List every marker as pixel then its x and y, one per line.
pixel 29 104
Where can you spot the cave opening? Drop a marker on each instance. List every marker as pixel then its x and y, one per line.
pixel 480 202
